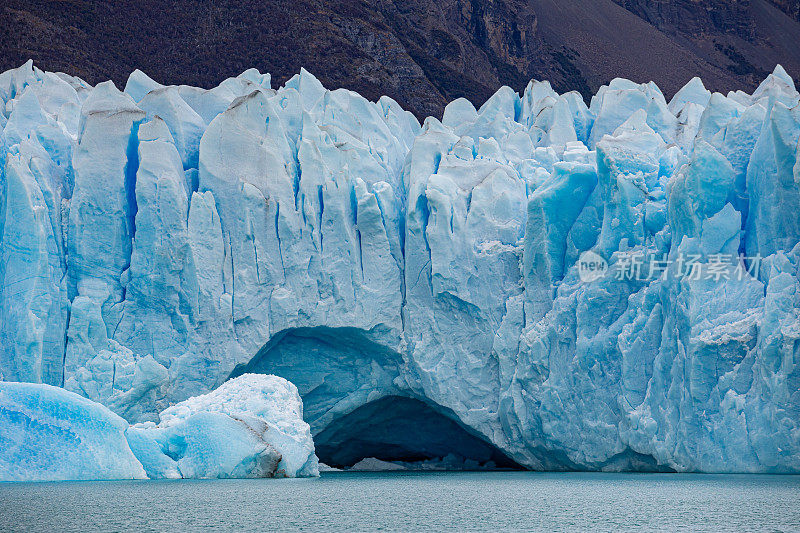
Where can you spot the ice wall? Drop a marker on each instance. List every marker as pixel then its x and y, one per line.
pixel 155 241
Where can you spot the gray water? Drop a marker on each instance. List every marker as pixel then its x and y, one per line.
pixel 408 501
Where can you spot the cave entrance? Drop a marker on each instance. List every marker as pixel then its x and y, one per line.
pixel 406 430
pixel 335 370
pixel 355 404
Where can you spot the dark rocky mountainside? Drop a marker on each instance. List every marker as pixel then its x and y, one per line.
pixel 423 53
pixel 790 7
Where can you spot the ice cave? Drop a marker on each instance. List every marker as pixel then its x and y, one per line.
pixel 407 430
pixel 359 408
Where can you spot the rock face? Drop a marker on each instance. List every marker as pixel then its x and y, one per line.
pixel 250 427
pixel 422 53
pixel 603 287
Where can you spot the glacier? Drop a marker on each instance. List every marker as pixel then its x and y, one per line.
pixel 251 427
pixel 423 285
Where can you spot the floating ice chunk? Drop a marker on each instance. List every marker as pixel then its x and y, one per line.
pixel 49 434
pixel 206 445
pixel 250 427
pixel 267 410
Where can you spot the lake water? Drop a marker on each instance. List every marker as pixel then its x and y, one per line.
pixel 412 501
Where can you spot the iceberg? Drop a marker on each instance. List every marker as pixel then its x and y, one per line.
pixel 537 282
pixel 251 427
pixel 50 434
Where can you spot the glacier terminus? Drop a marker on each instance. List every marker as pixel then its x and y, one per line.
pixel 535 283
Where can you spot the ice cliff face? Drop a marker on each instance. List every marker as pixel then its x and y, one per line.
pixel 157 241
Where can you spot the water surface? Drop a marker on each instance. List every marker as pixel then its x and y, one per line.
pixel 412 501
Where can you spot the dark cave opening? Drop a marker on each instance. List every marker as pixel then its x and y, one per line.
pixel 334 367
pixel 401 429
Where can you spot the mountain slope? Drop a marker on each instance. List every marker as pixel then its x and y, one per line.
pixel 423 53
